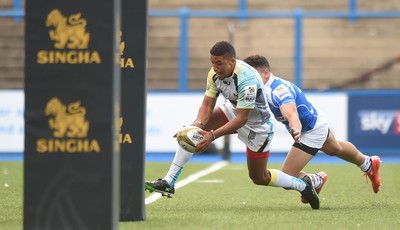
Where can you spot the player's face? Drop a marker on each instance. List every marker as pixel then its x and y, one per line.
pixel 223 66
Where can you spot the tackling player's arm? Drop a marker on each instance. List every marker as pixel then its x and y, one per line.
pixel 289 112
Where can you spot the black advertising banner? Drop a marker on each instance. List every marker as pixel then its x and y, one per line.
pixel 72 103
pixel 133 108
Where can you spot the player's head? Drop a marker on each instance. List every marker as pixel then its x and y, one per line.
pixel 257 61
pixel 260 63
pixel 223 59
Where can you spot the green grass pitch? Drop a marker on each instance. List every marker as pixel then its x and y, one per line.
pixel 227 199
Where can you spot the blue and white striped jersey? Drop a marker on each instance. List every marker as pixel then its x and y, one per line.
pixel 280 92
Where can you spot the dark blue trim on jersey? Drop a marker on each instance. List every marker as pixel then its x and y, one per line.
pixel 235 79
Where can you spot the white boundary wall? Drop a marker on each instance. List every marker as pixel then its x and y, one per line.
pixel 166 113
pixel 11 120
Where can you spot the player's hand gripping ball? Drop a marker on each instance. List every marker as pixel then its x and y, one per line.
pixel 188 137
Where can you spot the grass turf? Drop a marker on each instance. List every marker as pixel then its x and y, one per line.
pixel 227 199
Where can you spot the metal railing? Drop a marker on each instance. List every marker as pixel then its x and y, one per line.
pixel 298 15
pixel 17 11
pixel 242 13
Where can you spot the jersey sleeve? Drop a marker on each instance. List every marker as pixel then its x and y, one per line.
pixel 247 92
pixel 211 90
pixel 282 95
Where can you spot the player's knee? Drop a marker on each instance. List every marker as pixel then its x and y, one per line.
pixel 260 179
pixel 335 150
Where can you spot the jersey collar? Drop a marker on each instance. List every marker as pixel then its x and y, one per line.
pixel 270 80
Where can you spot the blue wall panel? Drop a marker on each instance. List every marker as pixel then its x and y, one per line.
pixel 374 122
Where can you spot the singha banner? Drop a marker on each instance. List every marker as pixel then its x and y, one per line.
pixel 133 108
pixel 72 103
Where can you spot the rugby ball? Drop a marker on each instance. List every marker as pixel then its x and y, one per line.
pixel 188 137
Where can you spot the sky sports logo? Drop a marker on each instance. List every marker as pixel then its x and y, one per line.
pixel 386 122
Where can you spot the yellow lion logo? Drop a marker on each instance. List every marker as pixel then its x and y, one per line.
pixel 121 45
pixel 68 121
pixel 70 33
pixel 121 121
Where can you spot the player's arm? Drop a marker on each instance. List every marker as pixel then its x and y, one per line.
pixel 205 111
pixel 289 112
pixel 229 128
pixel 247 91
pixel 233 125
pixel 209 101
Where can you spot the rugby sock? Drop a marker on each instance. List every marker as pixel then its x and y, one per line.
pixel 366 166
pixel 281 179
pixel 181 158
pixel 316 179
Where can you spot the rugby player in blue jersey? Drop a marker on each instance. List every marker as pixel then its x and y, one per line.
pixel 309 128
pixel 245 112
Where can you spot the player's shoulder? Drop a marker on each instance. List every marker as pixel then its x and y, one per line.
pixel 243 67
pixel 282 83
pixel 246 73
pixel 280 88
pixel 278 83
pixel 211 74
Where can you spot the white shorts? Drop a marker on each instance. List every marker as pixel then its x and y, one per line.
pixel 317 136
pixel 256 136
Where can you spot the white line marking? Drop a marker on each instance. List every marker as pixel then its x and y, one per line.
pixel 191 178
pixel 210 181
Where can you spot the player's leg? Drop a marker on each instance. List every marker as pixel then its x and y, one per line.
pixel 296 159
pixel 342 149
pixel 301 153
pixel 258 141
pixel 182 156
pixel 260 175
pixel 257 167
pixel 166 185
pixel 348 152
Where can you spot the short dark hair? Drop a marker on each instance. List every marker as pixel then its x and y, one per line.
pixel 223 48
pixel 257 61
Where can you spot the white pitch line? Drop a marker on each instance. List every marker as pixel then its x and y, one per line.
pixel 191 178
pixel 210 181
